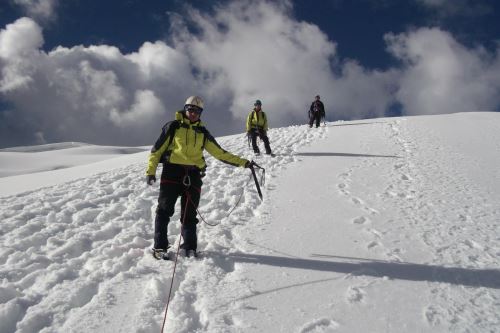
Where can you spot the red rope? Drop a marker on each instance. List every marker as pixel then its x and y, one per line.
pixel 175 266
pixel 188 199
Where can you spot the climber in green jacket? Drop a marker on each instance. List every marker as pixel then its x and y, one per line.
pixel 180 148
pixel 257 127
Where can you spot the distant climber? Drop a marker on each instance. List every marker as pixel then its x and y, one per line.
pixel 316 112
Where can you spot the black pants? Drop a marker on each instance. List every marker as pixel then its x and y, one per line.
pixel 314 116
pixel 174 180
pixel 254 133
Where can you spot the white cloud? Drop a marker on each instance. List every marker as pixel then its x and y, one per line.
pixel 43 10
pixel 146 106
pixel 443 76
pixel 157 61
pixel 20 38
pixel 246 50
pixel 19 44
pixel 258 50
pixel 93 94
pixel 360 93
pixel 242 51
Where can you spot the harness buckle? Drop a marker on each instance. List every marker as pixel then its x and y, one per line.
pixel 186 181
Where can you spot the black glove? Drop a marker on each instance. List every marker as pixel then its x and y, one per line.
pixel 150 179
pixel 249 164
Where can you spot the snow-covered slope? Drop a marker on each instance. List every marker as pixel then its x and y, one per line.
pixel 25 160
pixel 46 165
pixel 386 225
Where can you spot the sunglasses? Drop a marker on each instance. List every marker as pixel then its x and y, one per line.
pixel 193 109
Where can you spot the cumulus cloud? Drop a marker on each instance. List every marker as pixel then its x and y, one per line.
pixel 146 106
pixel 93 94
pixel 239 52
pixel 19 44
pixel 256 50
pixel 442 76
pixel 42 10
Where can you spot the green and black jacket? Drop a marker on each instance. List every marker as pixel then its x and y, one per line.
pixel 182 142
pixel 257 120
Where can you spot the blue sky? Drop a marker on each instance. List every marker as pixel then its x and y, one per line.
pixel 109 72
pixel 358 26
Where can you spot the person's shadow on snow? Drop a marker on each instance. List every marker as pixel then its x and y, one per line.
pixel 319 154
pixel 487 278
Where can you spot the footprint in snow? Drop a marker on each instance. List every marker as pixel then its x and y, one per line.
pixel 432 315
pixel 356 201
pixel 355 295
pixel 341 186
pixel 405 177
pixel 360 220
pixel 319 325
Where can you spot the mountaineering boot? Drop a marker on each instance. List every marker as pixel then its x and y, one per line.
pixel 159 254
pixel 190 253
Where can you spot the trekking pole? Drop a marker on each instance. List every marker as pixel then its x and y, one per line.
pixel 254 165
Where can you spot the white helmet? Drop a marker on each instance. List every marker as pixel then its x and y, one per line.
pixel 194 100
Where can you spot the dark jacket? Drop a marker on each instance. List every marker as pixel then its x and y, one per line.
pixel 317 106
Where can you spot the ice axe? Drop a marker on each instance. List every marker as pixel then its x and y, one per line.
pixel 254 165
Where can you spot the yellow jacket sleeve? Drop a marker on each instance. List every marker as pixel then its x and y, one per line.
pixel 222 155
pixel 154 159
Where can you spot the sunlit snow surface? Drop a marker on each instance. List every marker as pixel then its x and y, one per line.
pixel 385 225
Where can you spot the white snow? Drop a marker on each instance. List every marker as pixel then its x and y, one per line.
pixel 384 225
pixel 45 165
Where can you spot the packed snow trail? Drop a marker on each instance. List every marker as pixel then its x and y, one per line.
pixel 394 231
pixel 386 225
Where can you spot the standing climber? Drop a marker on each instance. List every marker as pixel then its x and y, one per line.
pixel 257 127
pixel 316 112
pixel 180 149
